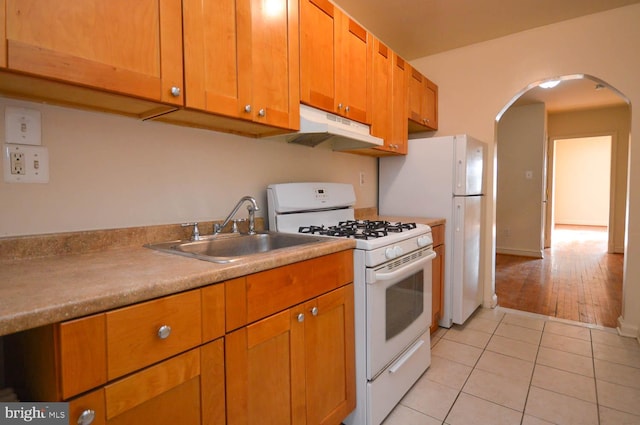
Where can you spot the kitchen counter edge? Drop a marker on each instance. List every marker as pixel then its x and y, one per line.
pixel 41 291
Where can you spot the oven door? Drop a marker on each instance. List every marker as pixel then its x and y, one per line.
pixel 398 307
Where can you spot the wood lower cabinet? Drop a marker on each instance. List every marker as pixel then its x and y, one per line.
pixel 180 390
pixel 131 48
pixel 274 347
pixel 296 366
pixel 335 61
pixel 422 102
pixel 438 271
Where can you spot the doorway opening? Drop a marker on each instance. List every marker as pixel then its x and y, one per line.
pixel 579 196
pixel 556 201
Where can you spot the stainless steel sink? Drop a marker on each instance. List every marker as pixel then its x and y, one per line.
pixel 226 248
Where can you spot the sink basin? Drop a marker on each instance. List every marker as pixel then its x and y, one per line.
pixel 226 248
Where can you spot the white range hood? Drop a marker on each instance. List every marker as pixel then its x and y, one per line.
pixel 317 126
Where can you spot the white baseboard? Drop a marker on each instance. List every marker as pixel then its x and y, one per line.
pixel 626 329
pixel 519 252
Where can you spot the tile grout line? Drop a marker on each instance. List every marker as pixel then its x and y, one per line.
pixel 533 371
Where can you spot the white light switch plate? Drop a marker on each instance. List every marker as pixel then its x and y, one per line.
pixel 22 126
pixel 34 167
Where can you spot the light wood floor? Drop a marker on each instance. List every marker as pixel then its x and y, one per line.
pixel 577 279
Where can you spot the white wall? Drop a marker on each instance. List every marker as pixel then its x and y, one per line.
pixel 581 181
pixel 477 82
pixel 520 181
pixel 613 121
pixel 108 171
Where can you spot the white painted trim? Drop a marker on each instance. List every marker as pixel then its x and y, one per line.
pixel 625 329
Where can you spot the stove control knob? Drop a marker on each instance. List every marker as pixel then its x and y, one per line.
pixel 398 250
pixel 390 253
pixel 424 241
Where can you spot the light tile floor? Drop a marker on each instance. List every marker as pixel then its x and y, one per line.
pixel 509 367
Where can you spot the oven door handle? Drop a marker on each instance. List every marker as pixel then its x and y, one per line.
pixel 408 270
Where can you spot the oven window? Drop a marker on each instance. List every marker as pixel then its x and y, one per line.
pixel 404 303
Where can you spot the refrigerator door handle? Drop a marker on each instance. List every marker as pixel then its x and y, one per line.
pixel 459 173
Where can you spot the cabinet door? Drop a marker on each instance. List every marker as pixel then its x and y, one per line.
pixel 416 102
pixel 437 287
pixel 3 34
pixel 273 54
pixel 399 122
pixel 317 56
pixel 265 372
pixel 422 103
pixel 210 56
pixel 241 59
pixel 329 356
pixel 212 388
pixel 353 70
pixel 132 48
pixel 431 105
pixel 381 113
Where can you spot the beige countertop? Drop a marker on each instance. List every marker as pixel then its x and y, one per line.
pixel 37 291
pixel 44 280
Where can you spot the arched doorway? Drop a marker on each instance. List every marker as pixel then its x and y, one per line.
pixel 526 129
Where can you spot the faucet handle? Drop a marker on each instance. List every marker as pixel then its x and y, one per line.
pixel 196 232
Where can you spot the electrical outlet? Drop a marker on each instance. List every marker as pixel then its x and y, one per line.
pixel 16 161
pixel 26 164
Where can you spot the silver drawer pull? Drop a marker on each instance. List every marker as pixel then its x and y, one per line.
pixel 164 331
pixel 86 417
pixel 300 317
pixel 314 311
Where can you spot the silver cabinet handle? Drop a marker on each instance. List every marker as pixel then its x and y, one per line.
pixel 339 105
pixel 86 417
pixel 314 311
pixel 262 112
pixel 164 331
pixel 175 91
pixel 300 317
pixel 347 108
pixel 247 108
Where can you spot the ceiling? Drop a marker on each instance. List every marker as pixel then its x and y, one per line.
pixel 417 28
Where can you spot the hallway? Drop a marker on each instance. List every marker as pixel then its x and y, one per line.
pixel 577 280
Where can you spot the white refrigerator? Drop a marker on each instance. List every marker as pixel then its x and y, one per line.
pixel 442 177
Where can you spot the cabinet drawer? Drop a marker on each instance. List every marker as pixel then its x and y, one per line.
pixel 437 232
pixel 168 389
pixel 261 294
pixel 146 333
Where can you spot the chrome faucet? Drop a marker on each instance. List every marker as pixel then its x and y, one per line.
pixel 251 208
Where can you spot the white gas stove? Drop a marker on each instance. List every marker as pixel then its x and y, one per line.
pixel 392 288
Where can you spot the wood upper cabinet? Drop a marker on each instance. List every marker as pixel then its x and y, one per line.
pixel 389 104
pixel 294 367
pixel 335 61
pixel 399 122
pixel 132 48
pixel 381 92
pixel 241 59
pixel 422 102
